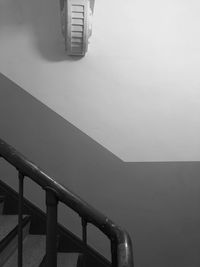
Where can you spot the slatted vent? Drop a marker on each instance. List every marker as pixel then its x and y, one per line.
pixel 76 25
pixel 77 22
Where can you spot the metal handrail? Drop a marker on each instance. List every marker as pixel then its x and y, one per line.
pixel 120 239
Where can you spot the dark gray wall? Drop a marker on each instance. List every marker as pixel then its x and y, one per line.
pixel 158 203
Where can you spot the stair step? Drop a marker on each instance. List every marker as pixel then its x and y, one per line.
pixel 67 259
pixel 33 252
pixel 8 234
pixel 7 224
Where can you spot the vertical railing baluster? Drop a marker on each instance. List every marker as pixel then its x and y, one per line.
pixel 84 231
pixel 114 253
pixel 20 218
pixel 51 230
pixel 83 257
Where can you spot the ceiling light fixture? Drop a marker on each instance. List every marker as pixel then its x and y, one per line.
pixel 76 23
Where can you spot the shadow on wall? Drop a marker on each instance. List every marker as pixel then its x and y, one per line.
pixel 39 18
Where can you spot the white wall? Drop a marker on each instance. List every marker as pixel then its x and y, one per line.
pixel 137 90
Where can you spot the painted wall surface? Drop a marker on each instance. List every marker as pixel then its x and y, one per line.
pixel 137 90
pixel 157 203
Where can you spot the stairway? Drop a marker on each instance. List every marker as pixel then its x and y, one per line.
pixel 70 249
pixel 33 244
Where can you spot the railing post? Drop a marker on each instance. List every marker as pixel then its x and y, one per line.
pixel 114 253
pixel 84 231
pixel 51 228
pixel 20 218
